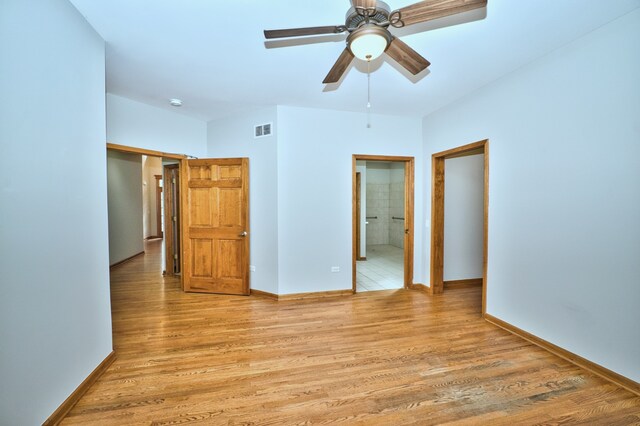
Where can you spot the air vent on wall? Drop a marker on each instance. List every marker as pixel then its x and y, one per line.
pixel 262 130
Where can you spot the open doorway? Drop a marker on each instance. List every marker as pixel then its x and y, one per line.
pixel 382 222
pixel 141 205
pixel 152 197
pixel 209 205
pixel 459 218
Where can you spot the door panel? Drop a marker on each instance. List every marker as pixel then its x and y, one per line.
pixel 216 227
pixel 231 214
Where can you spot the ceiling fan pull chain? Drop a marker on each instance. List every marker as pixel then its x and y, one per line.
pixel 369 92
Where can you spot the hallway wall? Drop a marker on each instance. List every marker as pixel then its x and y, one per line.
pixel 125 201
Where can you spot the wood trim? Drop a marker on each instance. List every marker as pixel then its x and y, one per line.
pixel 409 187
pixel 261 293
pixel 75 396
pixel 437 214
pixel 153 237
pixel 420 287
pixel 247 223
pixel 367 157
pixel 143 151
pixel 358 220
pixel 437 225
pixel 461 151
pixel 485 225
pixel 354 219
pixel 472 282
pixel 126 260
pixel 315 295
pixel 362 258
pixel 301 296
pixel 409 193
pixel 590 366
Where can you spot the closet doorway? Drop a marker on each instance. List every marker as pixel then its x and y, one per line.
pixel 438 161
pixel 382 222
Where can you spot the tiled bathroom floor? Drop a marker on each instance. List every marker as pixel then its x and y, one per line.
pixel 383 269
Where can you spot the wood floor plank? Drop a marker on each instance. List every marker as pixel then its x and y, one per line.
pixel 392 357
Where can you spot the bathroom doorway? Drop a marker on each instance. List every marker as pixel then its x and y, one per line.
pixel 382 222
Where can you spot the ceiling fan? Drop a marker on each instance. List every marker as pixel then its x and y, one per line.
pixel 368 23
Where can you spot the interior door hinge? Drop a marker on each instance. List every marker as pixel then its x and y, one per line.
pixel 175 256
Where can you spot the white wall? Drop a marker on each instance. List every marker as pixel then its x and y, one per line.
pixel 564 198
pixel 139 125
pixel 315 149
pixel 233 137
pixel 124 181
pixel 55 319
pixel 463 217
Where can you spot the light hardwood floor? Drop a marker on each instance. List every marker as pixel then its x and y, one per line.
pixel 388 358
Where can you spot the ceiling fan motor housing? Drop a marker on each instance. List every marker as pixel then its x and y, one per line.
pixel 355 19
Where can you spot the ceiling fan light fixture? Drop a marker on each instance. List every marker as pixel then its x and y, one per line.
pixel 368 42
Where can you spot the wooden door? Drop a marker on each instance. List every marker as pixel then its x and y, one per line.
pixel 215 226
pixel 171 190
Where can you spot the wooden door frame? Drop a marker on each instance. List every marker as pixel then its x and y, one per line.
pixel 437 214
pixel 144 151
pixel 409 194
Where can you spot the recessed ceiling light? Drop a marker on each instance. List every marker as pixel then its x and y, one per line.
pixel 175 102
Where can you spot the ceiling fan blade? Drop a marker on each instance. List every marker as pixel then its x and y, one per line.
pixel 411 60
pixel 428 10
pixel 298 32
pixel 339 67
pixel 365 4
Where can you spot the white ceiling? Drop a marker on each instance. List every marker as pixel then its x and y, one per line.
pixel 212 53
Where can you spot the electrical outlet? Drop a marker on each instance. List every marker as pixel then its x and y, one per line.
pixel 335 269
pixel 252 268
